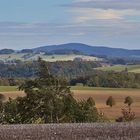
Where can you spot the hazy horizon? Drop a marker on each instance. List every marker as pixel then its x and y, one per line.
pixel 30 24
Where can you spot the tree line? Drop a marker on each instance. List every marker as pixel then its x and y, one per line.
pixel 73 71
pixel 109 79
pixel 68 69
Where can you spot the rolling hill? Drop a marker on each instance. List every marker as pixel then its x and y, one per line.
pixel 91 50
pixel 76 49
pixel 49 58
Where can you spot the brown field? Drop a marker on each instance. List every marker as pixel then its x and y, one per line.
pixel 100 96
pixel 13 94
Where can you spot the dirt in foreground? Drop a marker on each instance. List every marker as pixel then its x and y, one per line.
pixel 95 131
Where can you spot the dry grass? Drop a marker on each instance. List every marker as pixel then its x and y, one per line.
pixel 13 94
pixel 100 96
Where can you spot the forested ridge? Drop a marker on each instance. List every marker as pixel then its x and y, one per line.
pixel 74 72
pixel 48 99
pixel 60 68
pixel 112 79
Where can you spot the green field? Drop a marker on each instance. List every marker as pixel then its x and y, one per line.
pixel 8 88
pixel 118 68
pixel 15 88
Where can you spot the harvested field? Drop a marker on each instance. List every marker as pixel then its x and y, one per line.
pixel 108 131
pixel 100 96
pixel 13 94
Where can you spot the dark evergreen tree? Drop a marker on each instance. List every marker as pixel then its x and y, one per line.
pixel 110 101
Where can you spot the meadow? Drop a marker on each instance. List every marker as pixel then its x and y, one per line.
pixel 100 96
pixel 119 68
pixel 49 58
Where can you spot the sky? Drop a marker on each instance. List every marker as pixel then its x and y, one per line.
pixel 34 23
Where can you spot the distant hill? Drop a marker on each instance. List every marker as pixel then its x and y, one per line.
pixel 6 51
pixel 26 51
pixel 78 49
pixel 90 50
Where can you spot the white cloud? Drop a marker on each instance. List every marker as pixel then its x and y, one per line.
pixel 107 4
pixel 87 15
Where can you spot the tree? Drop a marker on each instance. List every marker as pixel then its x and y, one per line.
pixel 48 100
pixel 90 101
pixel 2 98
pixel 127 113
pixel 11 112
pixel 128 100
pixel 110 101
pixel 86 112
pixel 44 96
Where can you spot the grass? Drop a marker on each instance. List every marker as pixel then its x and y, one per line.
pixel 118 68
pixel 8 88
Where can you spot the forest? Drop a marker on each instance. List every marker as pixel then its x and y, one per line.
pixel 74 72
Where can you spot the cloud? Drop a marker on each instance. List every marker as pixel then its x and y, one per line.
pixel 25 35
pixel 107 4
pixel 83 15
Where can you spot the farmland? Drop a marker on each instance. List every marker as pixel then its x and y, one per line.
pixel 49 58
pixel 100 96
pixel 119 68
